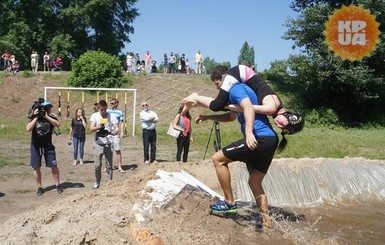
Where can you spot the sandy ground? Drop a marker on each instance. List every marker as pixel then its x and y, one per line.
pixel 83 216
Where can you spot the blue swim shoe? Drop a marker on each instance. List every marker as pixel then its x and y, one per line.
pixel 224 207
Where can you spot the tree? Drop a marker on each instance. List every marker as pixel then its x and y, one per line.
pixel 246 56
pixel 97 69
pixel 354 89
pixel 210 64
pixel 66 27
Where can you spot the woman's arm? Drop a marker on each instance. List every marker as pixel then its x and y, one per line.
pixel 175 123
pixel 226 117
pixel 196 100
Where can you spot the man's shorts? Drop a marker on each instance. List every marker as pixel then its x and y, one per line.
pixel 115 142
pixel 47 151
pixel 259 158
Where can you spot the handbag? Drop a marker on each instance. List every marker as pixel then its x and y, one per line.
pixel 171 131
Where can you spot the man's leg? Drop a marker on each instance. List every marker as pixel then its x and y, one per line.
pixel 109 159
pixel 255 183
pixel 223 173
pixel 56 175
pixel 119 159
pixel 37 177
pixel 153 146
pixel 98 154
pixel 146 144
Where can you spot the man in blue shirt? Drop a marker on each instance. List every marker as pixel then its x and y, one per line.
pixel 114 103
pixel 256 149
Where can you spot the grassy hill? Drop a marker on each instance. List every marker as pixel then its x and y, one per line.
pixel 163 92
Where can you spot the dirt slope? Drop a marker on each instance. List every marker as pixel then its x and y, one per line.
pixel 83 216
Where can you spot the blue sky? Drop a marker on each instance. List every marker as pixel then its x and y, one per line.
pixel 216 27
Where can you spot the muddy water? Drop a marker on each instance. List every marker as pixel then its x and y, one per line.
pixel 343 201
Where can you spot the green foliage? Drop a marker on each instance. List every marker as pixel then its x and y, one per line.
pixel 97 69
pixel 354 89
pixel 277 72
pixel 246 56
pixel 65 27
pixel 27 73
pixel 210 64
pixel 323 117
pixel 61 45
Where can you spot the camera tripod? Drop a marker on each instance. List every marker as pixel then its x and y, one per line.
pixel 217 141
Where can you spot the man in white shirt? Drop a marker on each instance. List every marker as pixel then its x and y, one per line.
pixel 105 126
pixel 198 62
pixel 148 120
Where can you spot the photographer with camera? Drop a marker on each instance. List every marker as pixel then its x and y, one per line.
pixel 41 124
pixel 105 127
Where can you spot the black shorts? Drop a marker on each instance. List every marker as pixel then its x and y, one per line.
pixel 49 153
pixel 259 158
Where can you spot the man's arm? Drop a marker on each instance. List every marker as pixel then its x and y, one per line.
pixel 93 126
pixel 52 120
pixel 31 124
pixel 249 114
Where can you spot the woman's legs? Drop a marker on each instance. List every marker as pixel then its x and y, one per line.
pixel 82 141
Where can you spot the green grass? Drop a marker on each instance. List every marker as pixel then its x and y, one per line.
pixel 6 160
pixel 311 142
pixel 23 191
pixel 12 129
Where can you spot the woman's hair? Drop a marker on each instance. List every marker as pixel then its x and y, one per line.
pixel 76 112
pixel 282 143
pixel 218 72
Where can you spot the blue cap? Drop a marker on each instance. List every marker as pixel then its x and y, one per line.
pixel 46 104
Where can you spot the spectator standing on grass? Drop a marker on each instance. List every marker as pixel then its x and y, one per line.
pixel 6 57
pixel 137 62
pixel 148 120
pixel 41 124
pixel 77 135
pixel 198 62
pixel 147 61
pixel 182 62
pixel 182 123
pixel 104 125
pixel 34 61
pixel 46 60
pixel 129 61
pixel 171 63
pixel 187 67
pixel 114 103
pixel 12 61
pixel 165 63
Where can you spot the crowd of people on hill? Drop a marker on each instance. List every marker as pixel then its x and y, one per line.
pixel 11 64
pixel 169 63
pixel 134 63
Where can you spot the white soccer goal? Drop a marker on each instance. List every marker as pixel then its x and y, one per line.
pixel 46 89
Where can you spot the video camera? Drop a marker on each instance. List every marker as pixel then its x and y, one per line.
pixel 103 132
pixel 37 105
